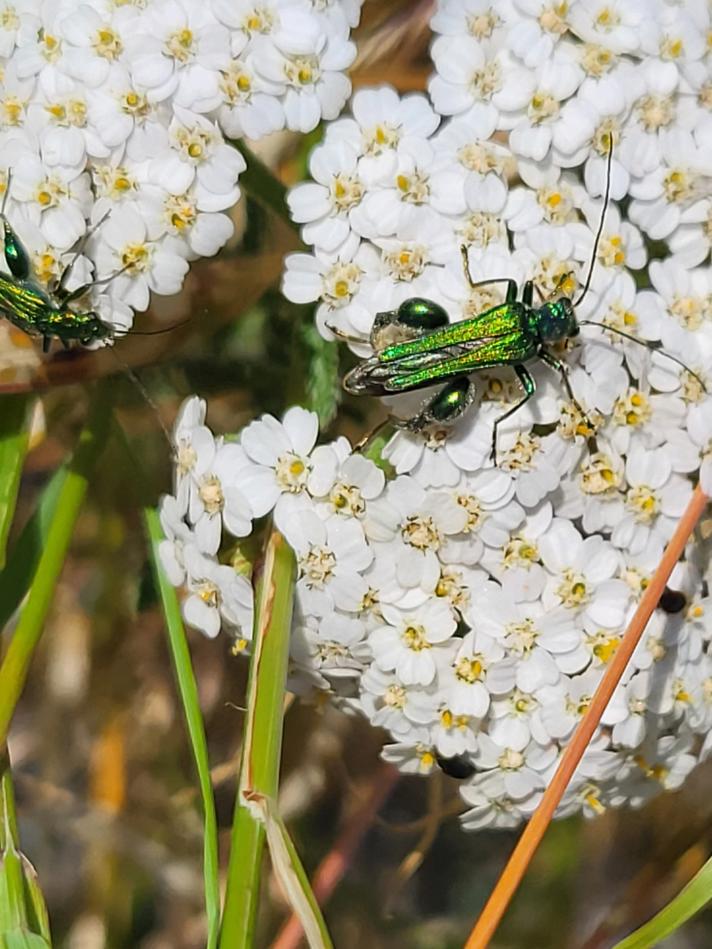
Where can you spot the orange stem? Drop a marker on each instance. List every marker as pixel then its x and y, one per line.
pixel 534 831
pixel 336 862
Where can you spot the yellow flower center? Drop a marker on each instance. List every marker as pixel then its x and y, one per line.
pixel 179 45
pixel 553 19
pixel 406 263
pixel 421 533
pixel 572 590
pixel 136 257
pixel 603 646
pixel 655 112
pixel 611 251
pixel 346 191
pixel 482 25
pixel 211 494
pixel 470 670
pixel 317 566
pixel 542 106
pixel 596 60
pixel 522 636
pixel 415 639
pixel 107 43
pixel 644 503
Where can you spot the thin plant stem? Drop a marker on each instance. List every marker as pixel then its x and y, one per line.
pixel 14 439
pixel 532 834
pixel 262 184
pixel 7 798
pixel 13 671
pixel 262 744
pixel 188 689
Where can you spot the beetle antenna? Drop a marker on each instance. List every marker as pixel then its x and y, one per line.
pixel 166 329
pixel 599 232
pixel 145 395
pixel 651 346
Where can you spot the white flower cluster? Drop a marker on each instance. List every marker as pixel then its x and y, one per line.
pixel 113 123
pixel 470 626
pixel 497 594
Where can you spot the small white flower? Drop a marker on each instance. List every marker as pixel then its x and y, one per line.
pixel 331 556
pixel 408 644
pixel 281 466
pixel 414 524
pixel 216 594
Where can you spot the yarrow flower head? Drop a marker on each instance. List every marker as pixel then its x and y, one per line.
pixel 115 120
pixel 470 604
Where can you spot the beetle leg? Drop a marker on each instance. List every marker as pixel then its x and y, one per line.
pixel 511 284
pixel 347 338
pixel 528 293
pixel 80 291
pixel 560 367
pixel 560 282
pixel 369 436
pixel 59 289
pixel 529 387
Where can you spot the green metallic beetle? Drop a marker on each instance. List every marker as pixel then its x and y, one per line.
pixel 430 350
pixel 41 311
pixel 416 347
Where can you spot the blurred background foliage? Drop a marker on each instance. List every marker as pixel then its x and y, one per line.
pixel 106 793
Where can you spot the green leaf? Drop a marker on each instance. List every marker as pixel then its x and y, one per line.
pixel 27 633
pixel 23 914
pixel 14 438
pixel 194 720
pixel 689 901
pixel 17 939
pixel 323 385
pixel 262 745
pixel 17 575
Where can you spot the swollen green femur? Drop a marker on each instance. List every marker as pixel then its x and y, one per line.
pixel 422 314
pixel 15 254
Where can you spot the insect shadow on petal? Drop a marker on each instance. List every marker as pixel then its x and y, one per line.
pixel 416 346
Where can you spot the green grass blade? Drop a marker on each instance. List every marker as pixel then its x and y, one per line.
pixel 292 876
pixel 261 750
pixel 15 664
pixel 194 721
pixel 688 901
pixel 14 438
pixel 17 574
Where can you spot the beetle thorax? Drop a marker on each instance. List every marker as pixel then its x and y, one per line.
pixel 556 320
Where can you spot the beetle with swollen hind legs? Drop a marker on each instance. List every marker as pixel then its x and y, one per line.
pixel 422 348
pixel 47 311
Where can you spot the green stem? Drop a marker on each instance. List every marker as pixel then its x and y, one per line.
pixel 263 185
pixel 7 801
pixel 14 438
pixel 194 721
pixel 261 750
pixel 13 670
